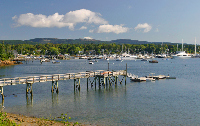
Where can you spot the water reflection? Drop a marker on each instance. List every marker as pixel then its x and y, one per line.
pixel 29 100
pixel 54 98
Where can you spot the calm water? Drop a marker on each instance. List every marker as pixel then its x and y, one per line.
pixel 163 102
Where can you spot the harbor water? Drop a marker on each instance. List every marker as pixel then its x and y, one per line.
pixel 162 102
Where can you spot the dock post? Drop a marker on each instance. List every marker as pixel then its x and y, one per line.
pixel 26 88
pixel 104 82
pixel 74 84
pixel 99 82
pixel 1 89
pixel 109 81
pixel 87 83
pixel 125 80
pixel 31 91
pixel 52 89
pixel 95 81
pixel 79 81
pixel 115 80
pixel 57 87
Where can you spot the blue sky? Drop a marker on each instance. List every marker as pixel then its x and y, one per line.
pixel 144 20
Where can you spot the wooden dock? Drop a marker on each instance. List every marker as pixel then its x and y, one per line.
pixel 100 77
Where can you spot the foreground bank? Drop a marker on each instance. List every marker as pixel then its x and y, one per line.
pixel 22 120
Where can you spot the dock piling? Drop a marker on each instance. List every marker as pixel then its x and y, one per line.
pixel 29 89
pixel 54 86
pixel 1 90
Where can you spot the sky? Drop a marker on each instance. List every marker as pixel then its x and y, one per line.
pixel 143 20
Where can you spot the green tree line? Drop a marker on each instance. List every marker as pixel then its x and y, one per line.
pixel 74 49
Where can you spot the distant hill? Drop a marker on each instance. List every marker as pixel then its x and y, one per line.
pixel 129 41
pixel 15 42
pixel 79 41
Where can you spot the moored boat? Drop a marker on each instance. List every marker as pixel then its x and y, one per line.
pixel 144 60
pixel 150 79
pixel 138 79
pixel 55 61
pixel 91 63
pixel 181 54
pixel 153 61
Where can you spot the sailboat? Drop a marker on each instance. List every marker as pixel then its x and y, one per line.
pixel 195 55
pixel 127 56
pixel 181 54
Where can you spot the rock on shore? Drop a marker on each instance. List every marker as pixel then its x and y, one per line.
pixel 8 63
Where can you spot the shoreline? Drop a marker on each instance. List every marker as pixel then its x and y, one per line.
pixel 23 120
pixel 8 63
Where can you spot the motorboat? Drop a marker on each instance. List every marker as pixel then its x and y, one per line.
pixel 91 62
pixel 161 56
pixel 119 59
pixel 144 60
pixel 45 60
pixel 127 56
pixel 151 75
pixel 153 61
pixel 181 54
pixel 138 79
pixel 55 61
pixel 150 79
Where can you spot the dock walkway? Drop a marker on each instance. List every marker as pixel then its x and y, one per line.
pixel 99 76
pixel 56 77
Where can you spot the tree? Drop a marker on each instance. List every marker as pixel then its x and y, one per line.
pixel 53 51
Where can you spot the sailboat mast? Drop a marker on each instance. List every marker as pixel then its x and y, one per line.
pixel 122 48
pixel 195 47
pixel 182 44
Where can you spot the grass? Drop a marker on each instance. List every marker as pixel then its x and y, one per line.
pixel 4 121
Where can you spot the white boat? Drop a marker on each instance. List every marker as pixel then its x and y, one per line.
pixel 119 59
pixel 150 79
pixel 44 60
pixel 140 56
pixel 138 79
pixel 91 63
pixel 126 56
pixel 93 60
pixel 181 54
pixel 152 75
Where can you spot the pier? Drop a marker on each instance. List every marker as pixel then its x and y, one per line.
pixel 94 78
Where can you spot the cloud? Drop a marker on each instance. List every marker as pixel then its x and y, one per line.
pixel 111 28
pixel 87 38
pixel 70 19
pixel 144 26
pixel 91 31
pixel 83 27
